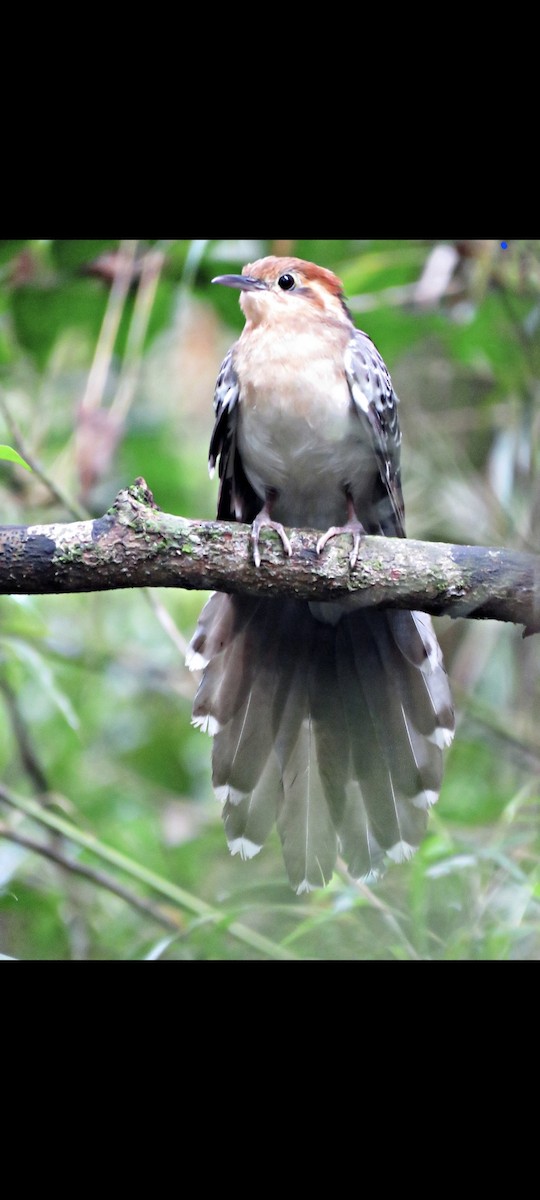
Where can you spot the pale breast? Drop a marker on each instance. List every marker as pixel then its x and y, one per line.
pixel 298 432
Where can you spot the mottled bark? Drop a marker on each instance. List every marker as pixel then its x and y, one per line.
pixel 135 544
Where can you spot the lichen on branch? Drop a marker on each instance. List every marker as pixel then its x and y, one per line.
pixel 135 544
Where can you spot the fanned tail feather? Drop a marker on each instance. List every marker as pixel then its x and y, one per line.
pixel 334 732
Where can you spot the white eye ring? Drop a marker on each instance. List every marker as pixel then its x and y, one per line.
pixel 287 282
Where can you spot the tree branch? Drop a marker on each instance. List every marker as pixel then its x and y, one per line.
pixel 136 545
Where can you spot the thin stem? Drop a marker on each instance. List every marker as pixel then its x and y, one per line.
pixel 99 878
pixel 71 506
pixel 28 756
pixel 151 267
pixel 179 896
pixel 97 377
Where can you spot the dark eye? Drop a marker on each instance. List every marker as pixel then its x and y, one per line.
pixel 286 282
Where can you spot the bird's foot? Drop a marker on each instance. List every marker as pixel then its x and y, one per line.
pixel 354 527
pixel 264 521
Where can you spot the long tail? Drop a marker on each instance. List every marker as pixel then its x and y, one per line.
pixel 334 732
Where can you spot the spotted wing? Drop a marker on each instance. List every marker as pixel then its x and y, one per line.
pixel 236 500
pixel 375 401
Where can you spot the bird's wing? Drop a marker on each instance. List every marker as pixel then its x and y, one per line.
pixel 236 501
pixel 375 401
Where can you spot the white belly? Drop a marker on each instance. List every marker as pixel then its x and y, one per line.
pixel 310 448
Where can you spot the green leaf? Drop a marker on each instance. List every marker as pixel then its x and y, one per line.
pixel 9 249
pixel 71 254
pixel 12 456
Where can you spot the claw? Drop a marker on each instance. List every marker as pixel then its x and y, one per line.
pixel 352 526
pixel 264 521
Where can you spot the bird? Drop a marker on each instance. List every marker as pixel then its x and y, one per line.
pixel 329 720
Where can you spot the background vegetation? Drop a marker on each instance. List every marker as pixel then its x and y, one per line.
pixel 111 843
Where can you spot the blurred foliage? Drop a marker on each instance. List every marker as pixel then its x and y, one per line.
pixel 111 844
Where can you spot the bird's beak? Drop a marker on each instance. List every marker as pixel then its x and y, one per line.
pixel 244 282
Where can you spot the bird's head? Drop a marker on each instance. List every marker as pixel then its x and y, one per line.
pixel 282 288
